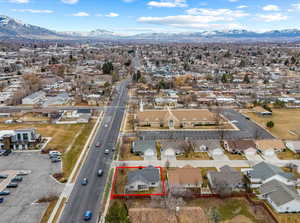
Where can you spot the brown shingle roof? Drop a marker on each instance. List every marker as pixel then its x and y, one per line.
pixel 184 175
pixel 203 115
pixel 265 144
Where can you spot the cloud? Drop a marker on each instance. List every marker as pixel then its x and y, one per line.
pixel 168 3
pixel 224 13
pixel 81 14
pixel 271 8
pixel 112 14
pixel 70 2
pixel 34 11
pixel 272 17
pixel 296 6
pixel 242 7
pixel 19 1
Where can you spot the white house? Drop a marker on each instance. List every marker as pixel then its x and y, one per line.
pixel 281 197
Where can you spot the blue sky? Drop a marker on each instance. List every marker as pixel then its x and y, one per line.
pixel 138 16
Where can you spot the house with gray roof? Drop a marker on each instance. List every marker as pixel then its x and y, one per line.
pixel 227 175
pixel 264 172
pixel 144 147
pixel 283 198
pixel 143 179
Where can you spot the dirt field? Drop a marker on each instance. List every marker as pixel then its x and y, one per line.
pixel 158 215
pixel 285 120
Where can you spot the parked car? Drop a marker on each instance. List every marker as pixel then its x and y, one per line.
pixel 1 200
pixel 4 193
pixel 84 181
pixel 12 185
pixel 17 179
pixel 106 151
pixel 100 172
pixel 1 152
pixel 87 215
pixel 23 172
pixel 234 121
pixel 3 176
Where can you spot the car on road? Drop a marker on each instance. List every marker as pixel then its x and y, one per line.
pixel 4 193
pixel 87 215
pixel 84 181
pixel 106 151
pixel 100 172
pixel 98 144
pixel 12 185
pixel 106 125
pixel 234 121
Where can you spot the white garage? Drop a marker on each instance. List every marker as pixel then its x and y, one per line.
pixel 149 154
pixel 269 152
pixel 216 152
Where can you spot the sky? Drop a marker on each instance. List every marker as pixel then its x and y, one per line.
pixel 142 16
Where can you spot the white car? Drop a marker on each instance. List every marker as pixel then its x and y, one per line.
pixel 54 153
pixel 234 121
pixel 106 125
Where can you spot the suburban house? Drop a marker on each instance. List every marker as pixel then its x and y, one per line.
pixel 144 147
pixel 293 145
pixel 269 147
pixel 180 118
pixel 213 147
pixel 261 111
pixel 227 175
pixel 184 178
pixel 264 172
pixel 19 139
pixel 283 198
pixel 240 146
pixel 173 147
pixel 80 115
pixel 143 179
pixel 35 98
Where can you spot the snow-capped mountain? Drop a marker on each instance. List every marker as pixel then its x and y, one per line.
pixel 10 27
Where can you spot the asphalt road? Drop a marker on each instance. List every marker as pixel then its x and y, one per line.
pixel 247 130
pixel 89 197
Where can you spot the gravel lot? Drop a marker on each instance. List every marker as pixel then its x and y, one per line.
pixel 19 206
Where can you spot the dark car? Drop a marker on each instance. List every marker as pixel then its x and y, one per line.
pixel 1 200
pixel 12 185
pixel 55 159
pixel 98 144
pixel 3 176
pixel 87 215
pixel 84 181
pixel 6 152
pixel 17 179
pixel 4 193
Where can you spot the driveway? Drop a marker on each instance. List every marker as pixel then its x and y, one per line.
pixel 220 157
pixel 19 206
pixel 254 157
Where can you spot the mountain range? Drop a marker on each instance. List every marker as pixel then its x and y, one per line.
pixel 12 28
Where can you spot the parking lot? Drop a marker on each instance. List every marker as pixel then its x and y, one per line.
pixel 20 206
